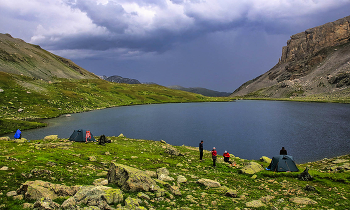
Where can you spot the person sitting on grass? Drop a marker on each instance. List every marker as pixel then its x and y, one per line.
pixel 227 157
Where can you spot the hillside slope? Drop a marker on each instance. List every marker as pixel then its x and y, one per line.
pixel 19 57
pixel 314 65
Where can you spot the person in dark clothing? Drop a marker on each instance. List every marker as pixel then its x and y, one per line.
pixel 201 150
pixel 283 151
pixel 213 156
pixel 227 157
pixel 102 140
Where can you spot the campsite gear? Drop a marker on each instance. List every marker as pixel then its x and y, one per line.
pixel 305 176
pixel 82 136
pixel 282 163
pixel 18 134
pixel 102 140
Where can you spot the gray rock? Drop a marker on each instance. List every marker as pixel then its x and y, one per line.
pixel 209 183
pixel 255 204
pixel 39 189
pixel 70 203
pixel 251 168
pixel 46 204
pixel 130 179
pixel 181 179
pixel 300 200
pixel 265 159
pixel 11 194
pixel 175 190
pixel 231 193
pixel 100 181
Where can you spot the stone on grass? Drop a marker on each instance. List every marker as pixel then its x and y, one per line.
pixel 100 181
pixel 51 138
pixel 181 179
pixel 251 168
pixel 208 183
pixel 265 159
pixel 163 174
pixel 130 179
pixel 46 203
pixel 5 138
pixel 231 193
pixel 39 189
pixel 255 204
pixel 300 200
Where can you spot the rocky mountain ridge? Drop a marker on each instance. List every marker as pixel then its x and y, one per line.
pixel 315 62
pixel 202 91
pixel 119 79
pixel 19 57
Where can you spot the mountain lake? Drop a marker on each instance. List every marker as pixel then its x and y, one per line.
pixel 247 129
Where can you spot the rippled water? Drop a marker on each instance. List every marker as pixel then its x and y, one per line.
pixel 247 129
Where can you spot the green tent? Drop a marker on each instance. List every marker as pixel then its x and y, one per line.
pixel 82 136
pixel 282 163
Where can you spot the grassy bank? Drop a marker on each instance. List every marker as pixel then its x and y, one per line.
pixel 72 163
pixel 24 100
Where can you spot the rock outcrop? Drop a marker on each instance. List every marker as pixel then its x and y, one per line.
pixel 130 179
pixel 316 61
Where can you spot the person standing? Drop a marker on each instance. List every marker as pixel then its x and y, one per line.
pixel 213 156
pixel 283 151
pixel 201 150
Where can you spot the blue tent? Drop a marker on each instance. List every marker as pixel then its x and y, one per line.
pixel 18 134
pixel 282 163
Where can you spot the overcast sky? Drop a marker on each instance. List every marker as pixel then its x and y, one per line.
pixel 215 44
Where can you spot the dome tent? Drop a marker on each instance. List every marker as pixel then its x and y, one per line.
pixel 82 136
pixel 282 163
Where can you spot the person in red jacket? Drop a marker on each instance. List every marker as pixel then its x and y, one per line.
pixel 213 156
pixel 227 157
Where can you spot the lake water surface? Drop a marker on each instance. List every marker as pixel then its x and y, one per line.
pixel 246 129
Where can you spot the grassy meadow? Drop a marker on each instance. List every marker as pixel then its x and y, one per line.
pixel 24 101
pixel 73 163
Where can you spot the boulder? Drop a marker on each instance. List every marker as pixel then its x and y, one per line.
pixel 208 183
pixel 265 159
pixel 130 179
pixel 46 203
pixel 163 174
pixel 255 204
pixel 251 168
pixel 181 179
pixel 172 151
pixel 5 138
pixel 304 201
pixel 175 190
pixel 231 193
pixel 39 189
pixel 100 181
pixel 51 138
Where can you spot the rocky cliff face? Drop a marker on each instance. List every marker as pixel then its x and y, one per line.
pixel 313 62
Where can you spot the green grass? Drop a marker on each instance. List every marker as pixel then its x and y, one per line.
pixel 25 101
pixel 61 161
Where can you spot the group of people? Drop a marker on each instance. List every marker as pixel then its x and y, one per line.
pixel 214 155
pixel 226 155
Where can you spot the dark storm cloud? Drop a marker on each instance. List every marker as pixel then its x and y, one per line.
pixel 218 44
